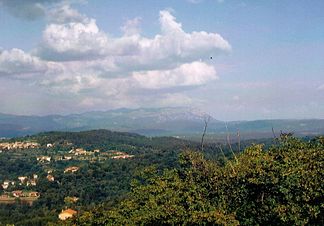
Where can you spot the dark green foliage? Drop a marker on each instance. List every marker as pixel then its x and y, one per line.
pixel 105 140
pixel 281 185
pixel 277 184
pixel 95 182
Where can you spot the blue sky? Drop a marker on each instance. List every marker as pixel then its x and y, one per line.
pixel 69 56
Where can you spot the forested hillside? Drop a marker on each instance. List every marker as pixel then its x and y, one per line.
pixel 113 178
pixel 280 185
pixel 100 177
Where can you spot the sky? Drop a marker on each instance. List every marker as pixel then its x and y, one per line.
pixel 234 59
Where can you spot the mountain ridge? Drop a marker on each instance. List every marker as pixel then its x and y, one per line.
pixel 175 121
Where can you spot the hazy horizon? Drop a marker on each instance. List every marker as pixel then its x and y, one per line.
pixel 143 108
pixel 235 60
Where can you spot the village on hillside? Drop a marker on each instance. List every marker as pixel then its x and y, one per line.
pixel 24 188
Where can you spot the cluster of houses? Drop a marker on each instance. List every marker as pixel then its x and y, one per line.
pixel 71 169
pixel 81 151
pixel 18 145
pixel 62 158
pixel 117 155
pixel 43 159
pixel 5 185
pixel 76 153
pixel 112 154
pixel 82 154
pixel 20 194
pixel 28 181
pixel 120 155
pixel 22 180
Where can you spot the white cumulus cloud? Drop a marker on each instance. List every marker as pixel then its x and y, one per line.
pixel 17 63
pixel 72 41
pixel 191 74
pixel 84 40
pixel 174 44
pixel 131 27
pixel 65 14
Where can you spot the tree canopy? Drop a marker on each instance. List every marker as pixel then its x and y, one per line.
pixel 280 185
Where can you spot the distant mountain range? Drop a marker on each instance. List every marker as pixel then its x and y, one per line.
pixel 154 122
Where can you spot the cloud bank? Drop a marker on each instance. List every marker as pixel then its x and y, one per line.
pixel 77 60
